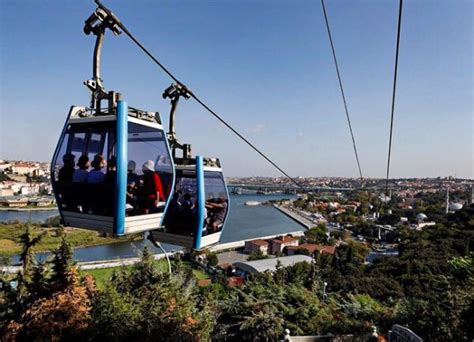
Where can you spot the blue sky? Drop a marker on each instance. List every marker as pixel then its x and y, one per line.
pixel 266 67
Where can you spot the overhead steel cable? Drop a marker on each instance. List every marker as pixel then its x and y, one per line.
pixel 393 94
pixel 194 96
pixel 342 88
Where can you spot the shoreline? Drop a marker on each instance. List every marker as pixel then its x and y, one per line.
pixel 29 209
pixel 120 262
pixel 11 254
pixel 298 218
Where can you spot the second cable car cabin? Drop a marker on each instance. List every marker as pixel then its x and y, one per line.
pixel 101 175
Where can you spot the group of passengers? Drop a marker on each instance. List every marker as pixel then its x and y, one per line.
pixel 68 173
pixel 183 213
pixel 143 192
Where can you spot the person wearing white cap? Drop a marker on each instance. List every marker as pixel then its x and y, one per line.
pixel 151 191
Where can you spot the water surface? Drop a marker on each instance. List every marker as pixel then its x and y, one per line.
pixel 244 222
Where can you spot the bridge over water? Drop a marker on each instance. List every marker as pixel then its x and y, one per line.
pixel 290 189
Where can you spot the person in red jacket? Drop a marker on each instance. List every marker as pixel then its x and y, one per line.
pixel 150 189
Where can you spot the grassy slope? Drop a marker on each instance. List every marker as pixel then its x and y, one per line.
pixel 10 238
pixel 101 275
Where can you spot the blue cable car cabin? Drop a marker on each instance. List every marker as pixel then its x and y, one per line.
pixel 101 166
pixel 199 207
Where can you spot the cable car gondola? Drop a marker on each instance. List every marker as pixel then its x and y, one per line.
pixel 115 170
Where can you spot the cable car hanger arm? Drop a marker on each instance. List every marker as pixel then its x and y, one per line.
pixel 96 24
pixel 127 32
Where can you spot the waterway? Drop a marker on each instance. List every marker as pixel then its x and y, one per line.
pixel 244 222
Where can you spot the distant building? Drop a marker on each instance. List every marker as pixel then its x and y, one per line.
pixel 42 202
pixel 244 268
pixel 14 202
pixel 38 173
pixel 278 244
pixel 24 168
pixel 422 225
pixel 421 217
pixel 18 178
pixel 4 192
pixel 4 166
pixel 235 281
pixel 204 282
pixel 311 248
pixel 455 206
pixel 256 245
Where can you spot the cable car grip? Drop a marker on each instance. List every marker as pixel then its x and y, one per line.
pixel 174 92
pixel 97 23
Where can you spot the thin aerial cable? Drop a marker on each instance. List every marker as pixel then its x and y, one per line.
pixel 194 96
pixel 393 95
pixel 342 88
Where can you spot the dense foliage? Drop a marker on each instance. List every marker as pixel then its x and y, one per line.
pixel 428 288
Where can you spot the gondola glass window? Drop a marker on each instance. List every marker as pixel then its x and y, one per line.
pixel 84 169
pixel 150 171
pixel 216 202
pixel 181 217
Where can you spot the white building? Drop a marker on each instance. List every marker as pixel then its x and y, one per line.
pixel 4 165
pixel 248 267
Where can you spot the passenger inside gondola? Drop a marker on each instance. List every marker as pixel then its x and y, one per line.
pixel 132 177
pixel 132 186
pixel 181 216
pixel 111 171
pixel 216 209
pixel 150 189
pixel 80 175
pixel 65 173
pixel 175 204
pixel 97 175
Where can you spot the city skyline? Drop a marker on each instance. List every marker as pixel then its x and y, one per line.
pixel 267 69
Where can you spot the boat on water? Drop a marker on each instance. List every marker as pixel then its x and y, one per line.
pixel 252 203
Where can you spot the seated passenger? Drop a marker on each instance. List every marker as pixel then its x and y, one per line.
pixel 150 191
pixel 66 172
pixel 132 177
pixel 97 175
pixel 132 185
pixel 111 171
pixel 187 204
pixel 219 208
pixel 81 174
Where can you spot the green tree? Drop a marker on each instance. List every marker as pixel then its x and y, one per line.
pixel 317 234
pixel 155 305
pixel 257 255
pixel 212 259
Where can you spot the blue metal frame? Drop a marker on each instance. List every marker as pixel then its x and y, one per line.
pixel 55 159
pixel 173 179
pixel 200 201
pixel 228 205
pixel 121 142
